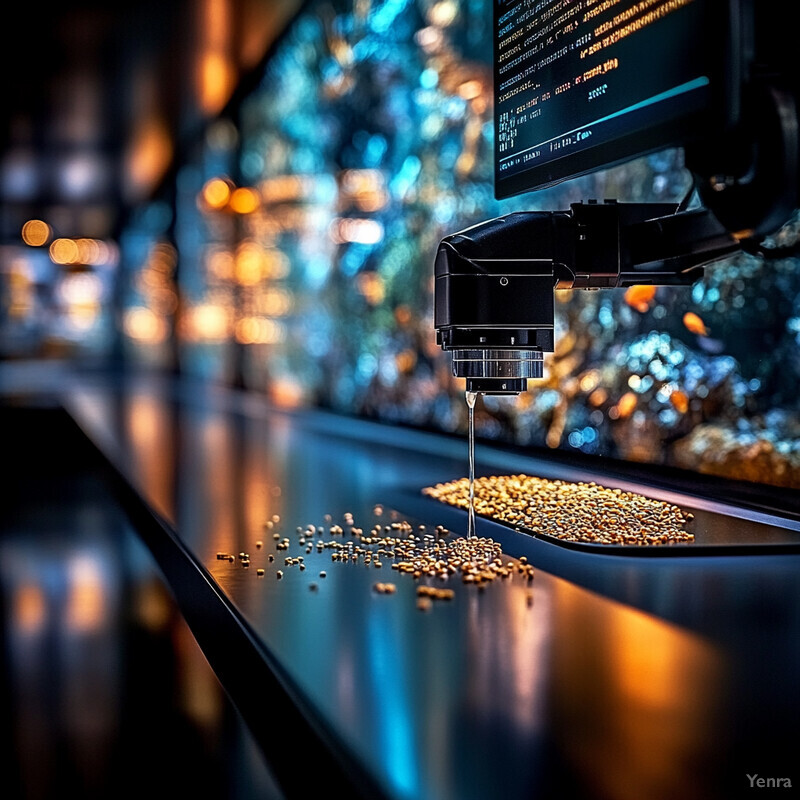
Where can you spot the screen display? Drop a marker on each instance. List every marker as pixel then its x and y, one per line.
pixel 584 84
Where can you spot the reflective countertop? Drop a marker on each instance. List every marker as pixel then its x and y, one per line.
pixel 608 675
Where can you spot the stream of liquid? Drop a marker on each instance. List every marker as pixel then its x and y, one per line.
pixel 471 398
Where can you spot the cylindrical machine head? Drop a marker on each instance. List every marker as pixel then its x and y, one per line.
pixel 492 371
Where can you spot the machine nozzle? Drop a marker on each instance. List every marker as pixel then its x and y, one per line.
pixel 493 371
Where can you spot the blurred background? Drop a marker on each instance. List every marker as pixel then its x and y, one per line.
pixel 251 193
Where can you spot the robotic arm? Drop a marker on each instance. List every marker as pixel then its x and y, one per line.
pixel 494 282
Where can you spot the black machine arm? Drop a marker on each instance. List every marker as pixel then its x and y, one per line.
pixel 494 282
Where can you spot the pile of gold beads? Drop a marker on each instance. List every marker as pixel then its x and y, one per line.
pixel 422 554
pixel 575 512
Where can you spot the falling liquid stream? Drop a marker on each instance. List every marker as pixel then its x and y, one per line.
pixel 471 398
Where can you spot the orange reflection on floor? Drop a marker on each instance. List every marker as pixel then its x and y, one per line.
pixel 30 608
pixel 87 597
pixel 151 431
pixel 639 698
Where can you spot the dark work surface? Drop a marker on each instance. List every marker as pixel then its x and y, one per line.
pixel 607 677
pixel 105 692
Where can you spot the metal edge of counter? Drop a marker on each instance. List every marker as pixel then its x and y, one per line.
pixel 273 708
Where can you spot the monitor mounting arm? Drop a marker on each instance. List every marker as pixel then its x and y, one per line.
pixel 494 308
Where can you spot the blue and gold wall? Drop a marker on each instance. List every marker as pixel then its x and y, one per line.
pixel 294 258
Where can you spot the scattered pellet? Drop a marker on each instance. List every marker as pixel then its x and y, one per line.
pixel 427 557
pixel 279 573
pixel 434 593
pixel 260 572
pixel 259 544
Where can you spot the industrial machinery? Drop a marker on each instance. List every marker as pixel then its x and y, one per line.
pixel 581 86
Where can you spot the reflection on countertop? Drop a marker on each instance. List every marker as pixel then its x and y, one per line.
pixel 104 690
pixel 544 682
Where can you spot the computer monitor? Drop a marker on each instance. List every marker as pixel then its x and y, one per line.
pixel 581 85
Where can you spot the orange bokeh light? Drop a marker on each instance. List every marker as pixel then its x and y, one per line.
pixel 35 233
pixel 244 200
pixel 64 251
pixel 217 193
